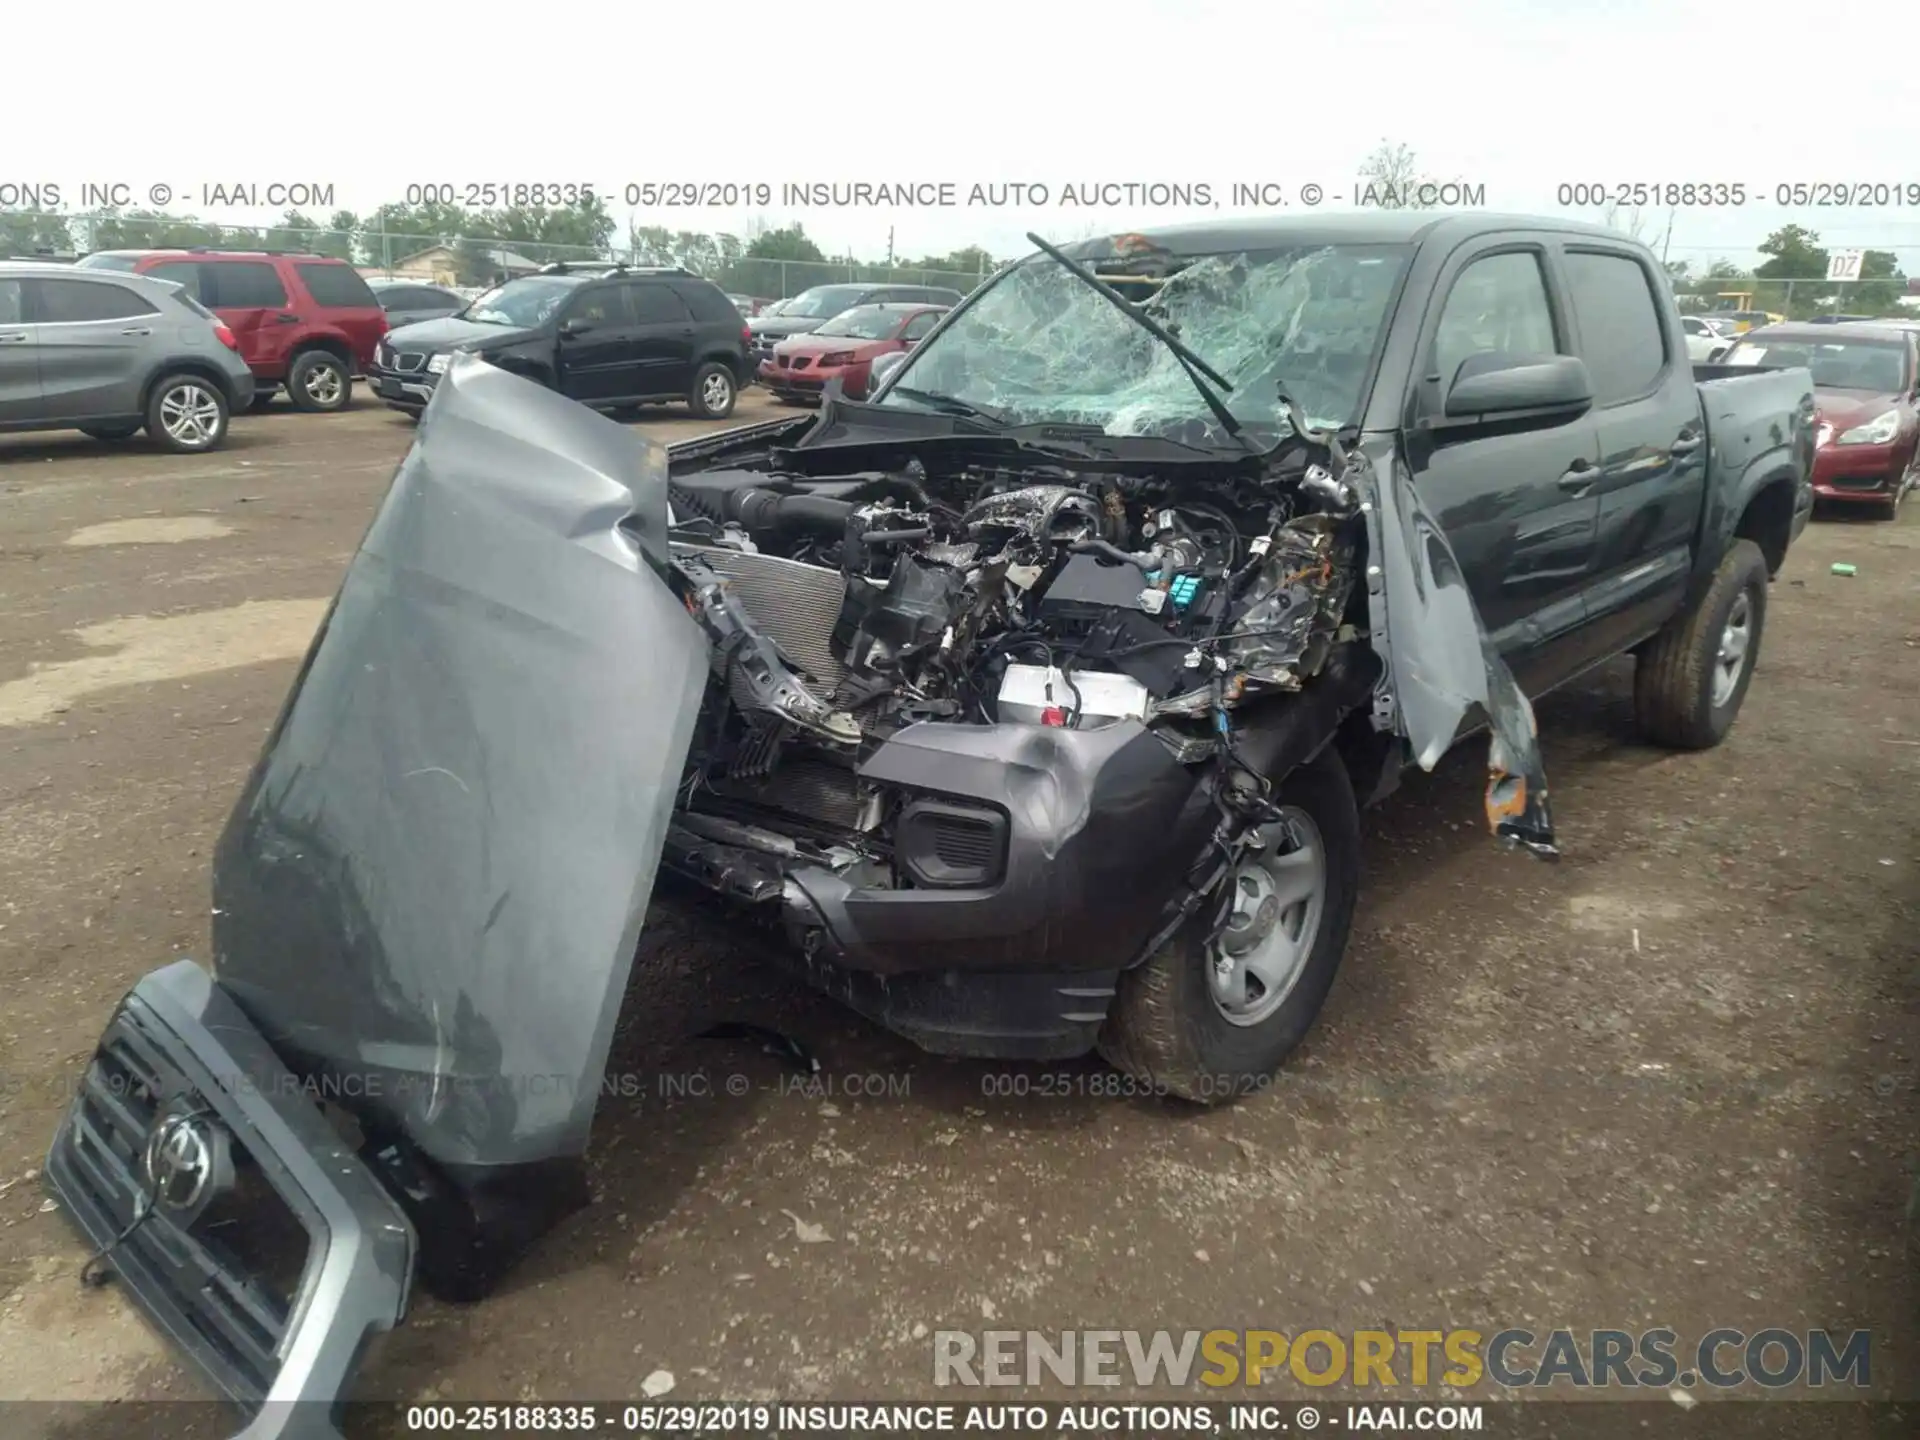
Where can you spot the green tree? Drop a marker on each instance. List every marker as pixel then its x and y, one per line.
pixel 788 243
pixel 293 231
pixel 1879 288
pixel 1796 269
pixel 24 233
pixel 337 239
pixel 155 230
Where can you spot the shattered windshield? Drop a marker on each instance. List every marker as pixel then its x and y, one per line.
pixel 1040 345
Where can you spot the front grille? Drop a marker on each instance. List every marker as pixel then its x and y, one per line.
pixel 1858 482
pixel 811 789
pixel 232 1270
pixel 408 361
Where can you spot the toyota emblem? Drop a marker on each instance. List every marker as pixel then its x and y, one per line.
pixel 179 1162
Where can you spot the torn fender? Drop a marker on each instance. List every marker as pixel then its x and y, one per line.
pixel 433 883
pixel 1443 665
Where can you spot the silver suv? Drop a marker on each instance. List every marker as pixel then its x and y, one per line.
pixel 110 354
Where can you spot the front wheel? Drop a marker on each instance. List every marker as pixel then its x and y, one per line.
pixel 1690 679
pixel 319 381
pixel 1210 1022
pixel 713 392
pixel 187 413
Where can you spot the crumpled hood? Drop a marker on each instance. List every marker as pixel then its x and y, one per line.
pixel 432 886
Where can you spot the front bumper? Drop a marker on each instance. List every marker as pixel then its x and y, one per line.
pixel 1100 829
pixel 793 384
pixel 220 1275
pixel 408 390
pixel 1857 472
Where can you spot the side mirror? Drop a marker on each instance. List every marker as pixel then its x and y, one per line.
pixel 1501 384
pixel 571 328
pixel 883 368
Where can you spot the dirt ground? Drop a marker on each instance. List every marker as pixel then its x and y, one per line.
pixel 1670 1080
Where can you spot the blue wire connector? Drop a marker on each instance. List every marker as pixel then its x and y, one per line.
pixel 1183 590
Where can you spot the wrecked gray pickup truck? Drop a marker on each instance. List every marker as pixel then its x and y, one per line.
pixel 1030 703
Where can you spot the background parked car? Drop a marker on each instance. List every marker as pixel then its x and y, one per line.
pixel 606 335
pixel 409 301
pixel 1866 386
pixel 110 355
pixel 1706 342
pixel 307 323
pixel 812 308
pixel 845 347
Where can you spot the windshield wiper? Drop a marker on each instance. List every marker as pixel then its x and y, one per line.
pixel 950 404
pixel 1189 362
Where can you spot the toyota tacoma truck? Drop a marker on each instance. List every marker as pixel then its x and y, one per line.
pixel 1029 704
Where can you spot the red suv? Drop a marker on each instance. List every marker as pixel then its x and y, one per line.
pixel 305 323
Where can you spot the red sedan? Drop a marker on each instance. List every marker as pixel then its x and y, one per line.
pixel 1866 385
pixel 845 348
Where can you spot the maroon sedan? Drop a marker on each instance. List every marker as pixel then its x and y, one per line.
pixel 846 347
pixel 1866 382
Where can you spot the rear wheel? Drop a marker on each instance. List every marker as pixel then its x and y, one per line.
pixel 111 432
pixel 1690 679
pixel 319 381
pixel 1212 1022
pixel 187 413
pixel 713 392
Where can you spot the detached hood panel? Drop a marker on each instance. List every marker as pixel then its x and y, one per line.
pixel 432 887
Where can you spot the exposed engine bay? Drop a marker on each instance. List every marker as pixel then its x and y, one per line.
pixel 847 607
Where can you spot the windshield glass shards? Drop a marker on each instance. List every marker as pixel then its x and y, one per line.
pixel 1039 344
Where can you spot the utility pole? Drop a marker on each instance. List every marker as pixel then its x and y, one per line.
pixel 890 247
pixel 1668 240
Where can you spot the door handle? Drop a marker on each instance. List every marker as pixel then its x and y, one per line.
pixel 138 330
pixel 1685 443
pixel 1579 477
pixel 286 319
pixel 18 337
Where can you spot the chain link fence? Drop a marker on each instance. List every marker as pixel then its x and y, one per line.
pixel 461 260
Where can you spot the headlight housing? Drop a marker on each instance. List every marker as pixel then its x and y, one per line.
pixel 1877 431
pixel 437 364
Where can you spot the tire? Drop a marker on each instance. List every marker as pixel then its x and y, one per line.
pixel 111 432
pixel 187 414
pixel 1684 695
pixel 319 382
pixel 1167 1028
pixel 1891 510
pixel 714 391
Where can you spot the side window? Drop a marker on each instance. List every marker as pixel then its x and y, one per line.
pixel 656 304
pixel 1498 303
pixel 184 273
pixel 709 303
pixel 244 285
pixel 338 286
pixel 1620 335
pixel 10 308
pixel 1692 326
pixel 72 302
pixel 600 305
pixel 919 327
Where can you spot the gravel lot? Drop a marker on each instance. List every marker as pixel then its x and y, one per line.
pixel 1667 1081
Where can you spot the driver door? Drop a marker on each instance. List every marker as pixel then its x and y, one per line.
pixel 1516 501
pixel 598 358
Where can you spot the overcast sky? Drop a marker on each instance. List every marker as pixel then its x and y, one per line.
pixel 1518 98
